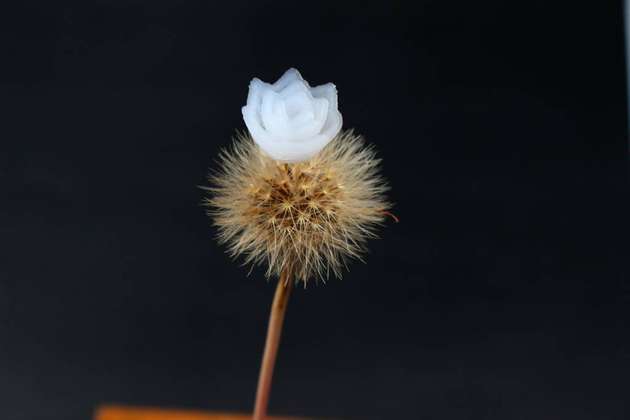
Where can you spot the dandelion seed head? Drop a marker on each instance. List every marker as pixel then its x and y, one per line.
pixel 310 217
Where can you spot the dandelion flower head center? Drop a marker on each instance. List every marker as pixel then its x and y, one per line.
pixel 296 199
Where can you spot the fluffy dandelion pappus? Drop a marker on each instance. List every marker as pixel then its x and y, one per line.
pixel 310 216
pixel 295 194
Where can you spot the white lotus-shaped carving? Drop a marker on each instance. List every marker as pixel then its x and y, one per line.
pixel 290 120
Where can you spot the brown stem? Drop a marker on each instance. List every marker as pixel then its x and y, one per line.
pixel 392 215
pixel 274 330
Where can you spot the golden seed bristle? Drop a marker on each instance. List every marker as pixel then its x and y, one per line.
pixel 310 217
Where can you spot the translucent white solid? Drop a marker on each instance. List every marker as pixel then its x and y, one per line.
pixel 290 120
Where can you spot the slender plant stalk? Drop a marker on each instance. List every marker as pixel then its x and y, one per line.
pixel 274 331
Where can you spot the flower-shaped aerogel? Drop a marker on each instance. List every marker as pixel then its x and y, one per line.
pixel 310 216
pixel 290 120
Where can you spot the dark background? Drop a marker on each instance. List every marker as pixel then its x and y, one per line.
pixel 503 292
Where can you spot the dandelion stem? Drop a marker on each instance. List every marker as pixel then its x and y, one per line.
pixel 274 331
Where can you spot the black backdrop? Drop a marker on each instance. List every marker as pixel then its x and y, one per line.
pixel 502 294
